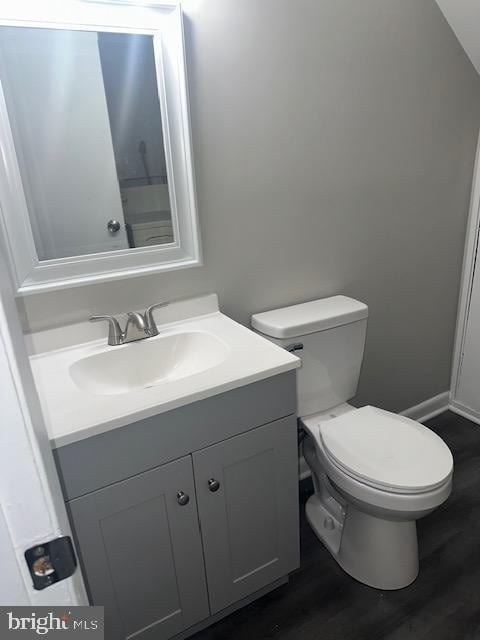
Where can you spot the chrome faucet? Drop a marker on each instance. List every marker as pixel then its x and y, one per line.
pixel 139 326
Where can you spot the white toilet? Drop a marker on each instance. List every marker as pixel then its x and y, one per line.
pixel 374 472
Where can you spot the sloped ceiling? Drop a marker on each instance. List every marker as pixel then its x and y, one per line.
pixel 464 18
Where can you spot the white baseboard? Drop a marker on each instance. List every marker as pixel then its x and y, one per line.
pixel 465 412
pixel 429 408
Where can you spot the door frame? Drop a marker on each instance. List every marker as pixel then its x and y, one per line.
pixel 468 272
pixel 32 509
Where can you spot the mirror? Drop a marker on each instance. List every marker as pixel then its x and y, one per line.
pixel 87 129
pixel 96 169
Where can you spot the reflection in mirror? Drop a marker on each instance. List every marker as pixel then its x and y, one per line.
pixel 85 115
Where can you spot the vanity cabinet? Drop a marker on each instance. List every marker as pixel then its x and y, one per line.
pixel 248 511
pixel 142 554
pixel 168 550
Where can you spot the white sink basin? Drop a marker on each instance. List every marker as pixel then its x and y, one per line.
pixel 87 387
pixel 139 365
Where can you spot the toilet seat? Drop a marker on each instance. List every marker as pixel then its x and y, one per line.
pixel 386 451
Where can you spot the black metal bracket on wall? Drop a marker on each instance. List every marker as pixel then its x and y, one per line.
pixel 50 562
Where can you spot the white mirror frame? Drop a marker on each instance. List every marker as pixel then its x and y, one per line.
pixel 164 22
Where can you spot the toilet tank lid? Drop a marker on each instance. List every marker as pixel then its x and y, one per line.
pixel 309 317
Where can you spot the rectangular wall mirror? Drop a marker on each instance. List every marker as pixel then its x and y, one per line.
pixel 97 177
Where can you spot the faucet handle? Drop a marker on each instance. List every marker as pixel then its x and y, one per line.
pixel 115 334
pixel 149 319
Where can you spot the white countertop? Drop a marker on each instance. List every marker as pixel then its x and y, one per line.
pixel 72 414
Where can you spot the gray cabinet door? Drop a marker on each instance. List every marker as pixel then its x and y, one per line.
pixel 250 523
pixel 142 553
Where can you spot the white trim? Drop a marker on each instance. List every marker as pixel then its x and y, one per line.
pixel 428 408
pixel 32 506
pixel 165 23
pixel 465 412
pixel 13 589
pixel 162 4
pixel 468 271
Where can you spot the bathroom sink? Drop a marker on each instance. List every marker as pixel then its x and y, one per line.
pixel 87 387
pixel 148 363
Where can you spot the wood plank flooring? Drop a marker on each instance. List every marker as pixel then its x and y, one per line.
pixel 321 602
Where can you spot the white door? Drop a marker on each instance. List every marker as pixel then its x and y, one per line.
pixel 465 392
pixel 62 139
pixel 468 388
pixel 32 510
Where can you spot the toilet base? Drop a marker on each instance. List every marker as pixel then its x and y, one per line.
pixel 379 553
pixel 328 526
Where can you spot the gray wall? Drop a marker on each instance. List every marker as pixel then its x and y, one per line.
pixel 334 144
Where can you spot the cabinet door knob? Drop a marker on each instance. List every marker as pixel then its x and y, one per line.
pixel 183 498
pixel 113 226
pixel 213 484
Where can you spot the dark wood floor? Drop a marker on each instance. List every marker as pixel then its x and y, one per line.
pixel 321 602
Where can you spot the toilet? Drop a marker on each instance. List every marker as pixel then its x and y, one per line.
pixel 374 472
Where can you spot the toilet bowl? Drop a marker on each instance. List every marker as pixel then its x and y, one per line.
pixel 365 508
pixel 374 472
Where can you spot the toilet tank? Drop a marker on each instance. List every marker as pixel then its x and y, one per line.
pixel 332 332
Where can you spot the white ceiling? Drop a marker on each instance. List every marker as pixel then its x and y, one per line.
pixel 464 18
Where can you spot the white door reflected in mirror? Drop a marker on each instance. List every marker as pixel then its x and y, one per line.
pixel 87 128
